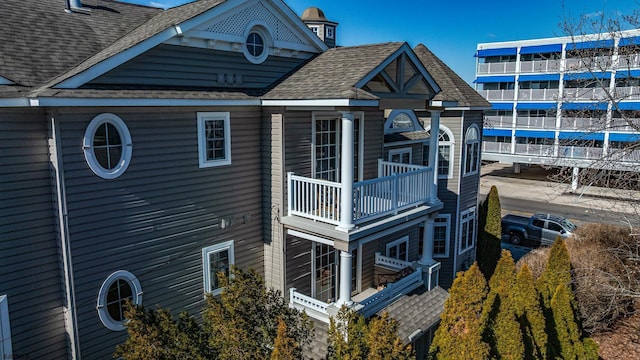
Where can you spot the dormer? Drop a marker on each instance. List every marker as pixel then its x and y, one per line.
pixel 314 18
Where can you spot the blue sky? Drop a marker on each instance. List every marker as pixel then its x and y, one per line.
pixel 451 29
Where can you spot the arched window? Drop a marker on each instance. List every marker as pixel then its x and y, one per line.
pixel 471 150
pixel 445 153
pixel 116 290
pixel 401 121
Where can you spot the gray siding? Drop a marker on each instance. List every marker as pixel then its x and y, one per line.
pixel 273 179
pixel 29 269
pixel 155 219
pixel 171 65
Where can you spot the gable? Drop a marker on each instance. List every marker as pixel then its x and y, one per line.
pixel 401 75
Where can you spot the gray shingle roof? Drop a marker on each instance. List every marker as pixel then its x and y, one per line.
pixel 334 74
pixel 453 87
pixel 417 311
pixel 38 40
pixel 147 94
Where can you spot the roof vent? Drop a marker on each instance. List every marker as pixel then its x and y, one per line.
pixel 74 5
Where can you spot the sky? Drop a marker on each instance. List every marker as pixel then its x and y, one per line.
pixel 450 29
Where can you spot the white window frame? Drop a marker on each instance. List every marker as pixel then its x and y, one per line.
pixel 125 138
pixel 396 243
pixel 330 32
pixel 203 117
pixel 5 329
pixel 388 124
pixel 262 30
pixel 450 144
pixel 101 306
pixel 400 152
pixel 467 216
pixel 206 263
pixel 315 117
pixel 475 143
pixel 447 225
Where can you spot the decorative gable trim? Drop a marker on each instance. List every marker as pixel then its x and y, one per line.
pixel 397 85
pixel 178 33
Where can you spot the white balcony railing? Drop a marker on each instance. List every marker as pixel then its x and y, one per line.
pixel 389 262
pixel 496 95
pixel 496 147
pixel 386 296
pixel 595 93
pixel 539 66
pixel 580 152
pixel 318 308
pixel 496 68
pixel 582 123
pixel 628 61
pixel 538 94
pixel 398 187
pixel 622 124
pixel 596 63
pixel 499 121
pixel 627 93
pixel 544 122
pixel 534 149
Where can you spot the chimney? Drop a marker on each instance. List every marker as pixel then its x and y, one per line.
pixel 314 18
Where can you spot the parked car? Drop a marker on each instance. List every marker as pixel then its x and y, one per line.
pixel 539 229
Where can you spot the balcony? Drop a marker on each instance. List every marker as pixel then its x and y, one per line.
pixel 539 66
pixel 497 95
pixel 627 93
pixel 534 149
pixel 625 124
pixel 538 94
pixel 595 94
pixel 628 61
pixel 595 63
pixel 496 147
pixel 578 123
pixel 398 187
pixel 580 152
pixel 500 121
pixel 370 300
pixel 543 122
pixel 496 68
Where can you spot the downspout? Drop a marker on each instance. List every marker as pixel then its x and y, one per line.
pixel 70 315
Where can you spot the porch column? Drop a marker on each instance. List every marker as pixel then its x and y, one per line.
pixel 433 154
pixel 346 173
pixel 426 257
pixel 345 279
pixel 575 177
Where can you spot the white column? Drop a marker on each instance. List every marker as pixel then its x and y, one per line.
pixel 574 179
pixel 433 154
pixel 345 279
pixel 426 257
pixel 346 173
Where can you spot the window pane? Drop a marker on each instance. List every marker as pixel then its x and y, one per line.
pixel 100 138
pixel 218 262
pixel 113 135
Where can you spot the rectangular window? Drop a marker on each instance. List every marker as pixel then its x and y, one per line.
pixel 330 34
pixel 326 149
pixel 441 235
pixel 400 155
pixel 399 249
pixel 5 331
pixel 214 139
pixel 467 229
pixel 215 259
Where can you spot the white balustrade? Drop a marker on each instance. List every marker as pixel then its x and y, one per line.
pixel 496 68
pixel 538 94
pixel 539 66
pixel 392 263
pixel 303 302
pixel 543 122
pixel 496 147
pixel 498 121
pixel 384 297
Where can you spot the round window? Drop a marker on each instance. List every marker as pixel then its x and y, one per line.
pixel 257 42
pixel 107 146
pixel 118 289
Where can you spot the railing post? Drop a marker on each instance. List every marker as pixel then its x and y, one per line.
pixel 380 168
pixel 394 193
pixel 290 193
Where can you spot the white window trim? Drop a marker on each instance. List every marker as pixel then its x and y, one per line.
pixel 5 329
pixel 451 143
pixel 227 245
pixel 474 233
pixel 394 243
pixel 401 151
pixel 202 141
pixel 388 124
pixel 466 153
pixel 101 305
pixel 327 116
pixel 447 225
pixel 125 138
pixel 261 29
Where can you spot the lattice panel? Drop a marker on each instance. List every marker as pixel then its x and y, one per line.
pixel 237 24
